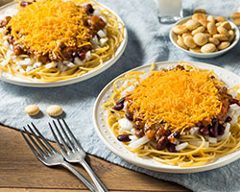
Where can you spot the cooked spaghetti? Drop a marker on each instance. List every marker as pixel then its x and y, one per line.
pixel 52 40
pixel 182 116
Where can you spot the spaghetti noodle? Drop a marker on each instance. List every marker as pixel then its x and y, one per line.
pixel 53 40
pixel 183 116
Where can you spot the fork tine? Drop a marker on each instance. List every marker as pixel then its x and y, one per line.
pixel 71 134
pixel 66 135
pixel 40 151
pixel 62 149
pixel 60 136
pixel 43 138
pixel 30 145
pixel 39 141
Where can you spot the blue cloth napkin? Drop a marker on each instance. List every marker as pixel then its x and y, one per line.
pixel 148 42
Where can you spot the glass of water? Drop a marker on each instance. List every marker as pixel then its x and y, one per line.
pixel 169 10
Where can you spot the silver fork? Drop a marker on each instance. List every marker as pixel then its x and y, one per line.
pixel 48 155
pixel 72 150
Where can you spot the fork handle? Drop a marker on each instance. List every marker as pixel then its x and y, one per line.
pixel 98 183
pixel 79 176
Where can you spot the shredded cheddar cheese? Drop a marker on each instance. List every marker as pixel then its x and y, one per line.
pixel 44 26
pixel 180 98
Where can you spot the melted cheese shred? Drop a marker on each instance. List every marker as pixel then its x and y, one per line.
pixel 199 151
pixel 43 26
pixel 178 97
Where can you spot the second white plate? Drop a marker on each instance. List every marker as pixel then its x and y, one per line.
pixel 106 135
pixel 11 9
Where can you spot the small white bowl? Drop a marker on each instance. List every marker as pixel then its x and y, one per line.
pixel 173 38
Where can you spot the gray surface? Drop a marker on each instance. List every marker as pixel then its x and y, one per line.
pixel 147 43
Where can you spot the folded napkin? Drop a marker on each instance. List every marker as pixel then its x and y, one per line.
pixel 148 42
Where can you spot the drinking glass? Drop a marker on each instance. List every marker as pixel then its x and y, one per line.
pixel 169 10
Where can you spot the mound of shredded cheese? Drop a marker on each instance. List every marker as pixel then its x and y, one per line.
pixel 180 98
pixel 45 25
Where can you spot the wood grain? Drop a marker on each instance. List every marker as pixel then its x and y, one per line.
pixel 20 169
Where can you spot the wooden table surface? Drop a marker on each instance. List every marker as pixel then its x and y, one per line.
pixel 20 171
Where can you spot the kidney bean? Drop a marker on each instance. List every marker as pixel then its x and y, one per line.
pixel 221 129
pixel 176 134
pixel 168 132
pixel 124 138
pixel 234 101
pixel 89 9
pixel 162 143
pixel 204 131
pixel 129 115
pixel 10 39
pixel 171 147
pixel 213 130
pixel 119 105
pixel 212 77
pixel 160 131
pixel 228 119
pixel 82 55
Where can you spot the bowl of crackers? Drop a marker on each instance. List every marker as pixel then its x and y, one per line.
pixel 204 36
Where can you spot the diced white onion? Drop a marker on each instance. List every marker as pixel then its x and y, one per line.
pixel 9 54
pixel 101 34
pixel 5 62
pixel 70 64
pixel 227 132
pixel 125 124
pixel 181 146
pixel 6 44
pixel 133 138
pixel 194 130
pixel 139 142
pixel 29 68
pixel 88 55
pixel 103 41
pixel 25 62
pixel 94 40
pixel 62 67
pixel 103 18
pixel 233 93
pixel 125 106
pixel 97 12
pixel 77 61
pixel 132 131
pixel 127 90
pixel 234 113
pixel 37 64
pixel 50 65
pixel 212 140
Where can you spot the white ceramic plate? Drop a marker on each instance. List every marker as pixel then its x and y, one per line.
pixel 11 9
pixel 106 135
pixel 173 38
